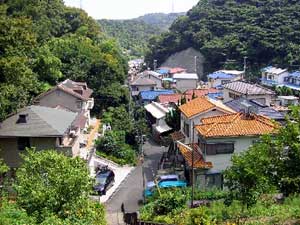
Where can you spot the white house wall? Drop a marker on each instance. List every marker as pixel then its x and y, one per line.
pixel 222 161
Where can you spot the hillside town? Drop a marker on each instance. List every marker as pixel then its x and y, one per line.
pixel 184 135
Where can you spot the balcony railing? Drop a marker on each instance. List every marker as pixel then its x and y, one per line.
pixel 268 82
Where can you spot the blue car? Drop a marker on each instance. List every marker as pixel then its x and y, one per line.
pixel 165 184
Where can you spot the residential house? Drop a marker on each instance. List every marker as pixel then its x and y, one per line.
pixel 292 81
pixel 70 95
pixel 287 100
pixel 221 136
pixel 146 97
pixel 156 114
pixel 175 70
pixel 154 76
pixel 185 81
pixel 40 127
pixel 221 77
pixel 141 83
pixel 245 105
pixel 239 89
pixel 193 111
pixel 272 76
pixel 163 72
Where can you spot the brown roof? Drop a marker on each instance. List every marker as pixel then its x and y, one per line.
pixel 237 124
pixel 143 81
pixel 76 89
pixel 198 159
pixel 167 98
pixel 80 120
pixel 177 135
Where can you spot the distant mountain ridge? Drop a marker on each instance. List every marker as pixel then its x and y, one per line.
pixel 134 34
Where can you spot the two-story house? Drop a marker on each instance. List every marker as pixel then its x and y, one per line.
pixel 292 81
pixel 154 76
pixel 273 76
pixel 70 95
pixel 239 89
pixel 40 127
pixel 185 81
pixel 141 83
pixel 194 110
pixel 221 77
pixel 220 137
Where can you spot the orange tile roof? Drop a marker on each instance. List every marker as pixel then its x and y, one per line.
pixel 200 105
pixel 198 159
pixel 237 124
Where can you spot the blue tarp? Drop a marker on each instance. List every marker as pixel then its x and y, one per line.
pixel 220 75
pixel 215 95
pixel 152 95
pixel 162 71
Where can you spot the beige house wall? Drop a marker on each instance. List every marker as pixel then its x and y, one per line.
pixel 11 155
pixel 59 97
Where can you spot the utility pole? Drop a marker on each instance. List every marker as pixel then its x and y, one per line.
pixel 193 149
pixel 154 64
pixel 195 63
pixel 245 66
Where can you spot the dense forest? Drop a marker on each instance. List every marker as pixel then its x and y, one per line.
pixel 44 42
pixel 133 35
pixel 267 32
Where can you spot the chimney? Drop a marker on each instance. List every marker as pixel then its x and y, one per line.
pixel 22 118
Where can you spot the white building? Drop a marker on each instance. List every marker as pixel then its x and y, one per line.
pixel 185 81
pixel 272 76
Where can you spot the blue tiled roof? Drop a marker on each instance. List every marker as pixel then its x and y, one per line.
pixel 152 95
pixel 162 71
pixel 215 95
pixel 295 74
pixel 220 75
pixel 266 68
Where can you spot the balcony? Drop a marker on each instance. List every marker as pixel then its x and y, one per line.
pixel 268 82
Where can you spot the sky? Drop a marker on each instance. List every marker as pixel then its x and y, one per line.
pixel 128 9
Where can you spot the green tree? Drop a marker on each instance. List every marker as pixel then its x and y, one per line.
pixel 49 183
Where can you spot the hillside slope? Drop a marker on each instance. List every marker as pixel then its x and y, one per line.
pixel 264 31
pixel 133 35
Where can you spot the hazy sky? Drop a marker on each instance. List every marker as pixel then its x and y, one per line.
pixel 127 9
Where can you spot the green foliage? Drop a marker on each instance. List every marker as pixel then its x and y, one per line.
pixel 276 168
pixel 50 183
pixel 173 118
pixel 134 34
pixel 283 91
pixel 199 217
pixel 45 42
pixel 3 167
pixel 264 31
pixel 113 144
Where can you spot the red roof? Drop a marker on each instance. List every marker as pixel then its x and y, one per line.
pixel 177 70
pixel 201 92
pixel 168 98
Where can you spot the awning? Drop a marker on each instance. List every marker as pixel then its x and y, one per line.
pixel 156 110
pixel 163 128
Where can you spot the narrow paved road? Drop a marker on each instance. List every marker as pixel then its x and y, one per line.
pixel 130 193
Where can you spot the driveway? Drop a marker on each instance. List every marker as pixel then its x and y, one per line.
pixel 130 193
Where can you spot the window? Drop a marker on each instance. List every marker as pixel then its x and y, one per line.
pixel 219 148
pixel 23 143
pixel 187 129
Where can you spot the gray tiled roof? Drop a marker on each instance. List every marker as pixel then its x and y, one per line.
pixel 40 122
pixel 246 88
pixel 143 81
pixel 239 105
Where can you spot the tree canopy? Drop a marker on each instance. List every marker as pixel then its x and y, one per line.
pixel 45 42
pixel 267 32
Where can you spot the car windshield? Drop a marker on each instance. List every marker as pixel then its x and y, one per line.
pixel 101 179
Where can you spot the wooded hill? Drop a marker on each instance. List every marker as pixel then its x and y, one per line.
pixel 44 42
pixel 134 34
pixel 267 32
